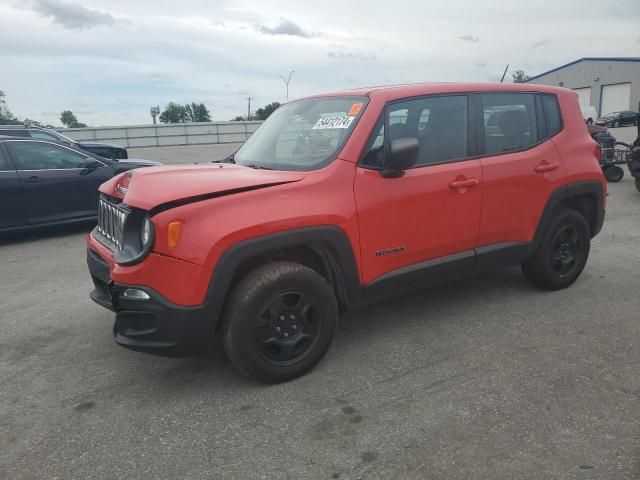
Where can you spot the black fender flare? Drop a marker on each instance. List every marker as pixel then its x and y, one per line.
pixel 329 235
pixel 590 187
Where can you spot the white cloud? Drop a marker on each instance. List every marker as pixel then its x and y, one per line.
pixel 351 56
pixel 285 27
pixel 130 55
pixel 72 15
pixel 469 38
pixel 540 43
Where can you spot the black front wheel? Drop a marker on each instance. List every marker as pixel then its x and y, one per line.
pixel 279 321
pixel 562 253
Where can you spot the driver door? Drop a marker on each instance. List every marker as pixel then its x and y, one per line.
pixel 58 185
pixel 423 224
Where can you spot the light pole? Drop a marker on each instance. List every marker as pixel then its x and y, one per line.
pixel 286 82
pixel 155 111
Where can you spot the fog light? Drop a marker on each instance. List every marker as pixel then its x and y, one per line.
pixel 136 294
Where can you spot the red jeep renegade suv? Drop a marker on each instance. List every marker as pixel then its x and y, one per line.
pixel 341 199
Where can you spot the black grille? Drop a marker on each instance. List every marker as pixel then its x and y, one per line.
pixel 111 218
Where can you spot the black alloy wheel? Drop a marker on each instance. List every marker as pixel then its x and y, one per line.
pixel 562 253
pixel 566 251
pixel 279 321
pixel 288 327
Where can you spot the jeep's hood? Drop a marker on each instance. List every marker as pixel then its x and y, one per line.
pixel 154 187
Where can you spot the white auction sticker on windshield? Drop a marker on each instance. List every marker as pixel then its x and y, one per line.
pixel 333 122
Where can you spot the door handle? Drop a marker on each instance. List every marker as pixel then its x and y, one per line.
pixel 32 179
pixel 546 167
pixel 466 183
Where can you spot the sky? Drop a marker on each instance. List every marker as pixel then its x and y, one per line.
pixel 110 61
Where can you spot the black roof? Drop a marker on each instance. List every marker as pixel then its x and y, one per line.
pixel 590 59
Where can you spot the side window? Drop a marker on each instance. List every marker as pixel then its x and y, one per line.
pixel 44 156
pixel 43 135
pixel 14 132
pixel 439 124
pixel 551 114
pixel 509 121
pixel 398 116
pixel 4 164
pixel 375 152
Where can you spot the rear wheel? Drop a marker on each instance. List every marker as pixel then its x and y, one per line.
pixel 638 183
pixel 279 321
pixel 562 253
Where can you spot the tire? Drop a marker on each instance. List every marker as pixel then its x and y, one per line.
pixel 613 173
pixel 616 124
pixel 562 253
pixel 268 310
pixel 637 183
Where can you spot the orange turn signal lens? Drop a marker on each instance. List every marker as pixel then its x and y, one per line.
pixel 173 234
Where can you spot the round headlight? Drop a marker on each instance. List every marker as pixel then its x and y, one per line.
pixel 146 232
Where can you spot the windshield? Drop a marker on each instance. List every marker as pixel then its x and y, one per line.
pixel 303 135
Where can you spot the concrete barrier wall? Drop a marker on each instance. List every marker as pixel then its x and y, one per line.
pixel 166 135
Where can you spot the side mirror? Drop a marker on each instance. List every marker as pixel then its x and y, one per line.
pixel 403 154
pixel 90 165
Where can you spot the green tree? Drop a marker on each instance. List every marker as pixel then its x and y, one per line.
pixel 519 76
pixel 174 113
pixel 197 112
pixel 69 120
pixel 36 123
pixel 6 117
pixel 263 113
pixel 239 118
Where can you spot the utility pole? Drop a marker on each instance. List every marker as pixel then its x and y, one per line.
pixel 505 72
pixel 286 82
pixel 249 109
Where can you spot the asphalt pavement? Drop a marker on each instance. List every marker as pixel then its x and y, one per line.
pixel 483 378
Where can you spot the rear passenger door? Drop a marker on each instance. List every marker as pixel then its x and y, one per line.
pixel 521 166
pixel 12 204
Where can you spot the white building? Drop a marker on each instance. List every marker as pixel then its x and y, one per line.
pixel 608 84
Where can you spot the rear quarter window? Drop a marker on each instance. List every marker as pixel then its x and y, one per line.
pixel 551 114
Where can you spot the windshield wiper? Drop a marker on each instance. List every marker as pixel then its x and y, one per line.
pixel 257 167
pixel 229 159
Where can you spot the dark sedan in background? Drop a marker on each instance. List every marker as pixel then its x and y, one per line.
pixel 105 150
pixel 618 119
pixel 45 183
